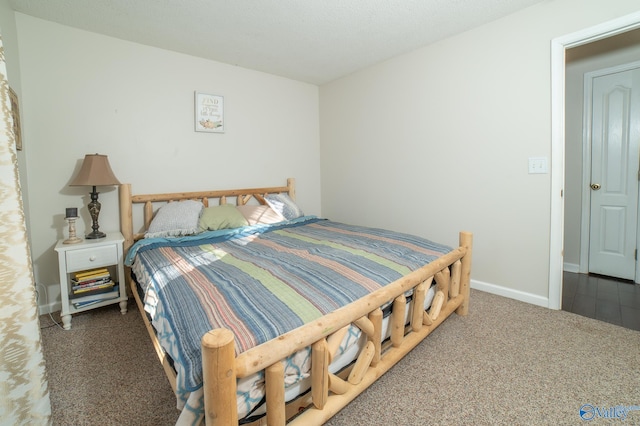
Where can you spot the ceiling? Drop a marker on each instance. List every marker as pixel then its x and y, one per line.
pixel 314 41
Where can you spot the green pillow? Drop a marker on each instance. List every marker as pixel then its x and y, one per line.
pixel 225 216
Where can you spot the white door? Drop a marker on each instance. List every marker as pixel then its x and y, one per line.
pixel 615 142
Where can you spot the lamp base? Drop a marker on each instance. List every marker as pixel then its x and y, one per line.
pixel 95 235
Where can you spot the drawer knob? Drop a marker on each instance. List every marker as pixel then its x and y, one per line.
pixel 92 258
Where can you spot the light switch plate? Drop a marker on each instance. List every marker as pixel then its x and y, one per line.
pixel 538 165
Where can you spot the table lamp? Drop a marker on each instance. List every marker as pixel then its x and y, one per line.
pixel 95 171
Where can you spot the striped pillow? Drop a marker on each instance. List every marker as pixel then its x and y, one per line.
pixel 284 205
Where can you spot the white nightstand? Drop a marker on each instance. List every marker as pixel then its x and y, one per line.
pixel 90 254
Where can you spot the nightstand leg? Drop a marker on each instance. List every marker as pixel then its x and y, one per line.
pixel 66 322
pixel 123 307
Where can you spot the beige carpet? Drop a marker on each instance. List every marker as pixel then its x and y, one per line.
pixel 506 363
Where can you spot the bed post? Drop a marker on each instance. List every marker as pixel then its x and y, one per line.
pixel 219 378
pixel 126 219
pixel 291 184
pixel 466 241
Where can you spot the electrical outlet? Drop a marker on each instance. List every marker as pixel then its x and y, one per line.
pixel 538 165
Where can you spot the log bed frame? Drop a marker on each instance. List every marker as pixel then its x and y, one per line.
pixel 329 392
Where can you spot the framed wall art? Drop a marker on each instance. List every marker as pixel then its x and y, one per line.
pixel 209 113
pixel 15 113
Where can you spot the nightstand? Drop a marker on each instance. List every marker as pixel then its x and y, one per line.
pixel 90 254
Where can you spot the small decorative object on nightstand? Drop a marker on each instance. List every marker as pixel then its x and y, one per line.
pixel 79 290
pixel 71 216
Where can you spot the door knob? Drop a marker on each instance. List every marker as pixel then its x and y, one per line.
pixel 595 186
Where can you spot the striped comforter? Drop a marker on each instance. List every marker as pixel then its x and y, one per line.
pixel 263 281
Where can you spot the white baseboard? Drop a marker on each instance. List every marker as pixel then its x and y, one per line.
pixel 45 293
pixel 49 308
pixel 510 293
pixel 571 267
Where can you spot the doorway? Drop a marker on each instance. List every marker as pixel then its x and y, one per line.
pixel 559 47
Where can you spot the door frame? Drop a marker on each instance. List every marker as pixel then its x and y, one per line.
pixel 558 50
pixel 585 228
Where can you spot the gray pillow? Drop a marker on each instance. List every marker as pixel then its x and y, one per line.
pixel 176 219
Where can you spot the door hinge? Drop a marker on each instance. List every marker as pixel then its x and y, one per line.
pixel 635 256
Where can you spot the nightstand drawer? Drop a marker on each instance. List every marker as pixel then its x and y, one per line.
pixel 92 257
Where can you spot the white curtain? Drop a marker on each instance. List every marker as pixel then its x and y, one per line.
pixel 24 390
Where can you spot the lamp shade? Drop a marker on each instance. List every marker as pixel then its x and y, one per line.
pixel 95 171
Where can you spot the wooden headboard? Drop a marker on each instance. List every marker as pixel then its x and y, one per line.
pixel 151 202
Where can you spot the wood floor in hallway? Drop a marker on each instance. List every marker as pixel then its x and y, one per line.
pixel 603 298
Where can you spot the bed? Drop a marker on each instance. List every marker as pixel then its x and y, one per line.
pixel 282 318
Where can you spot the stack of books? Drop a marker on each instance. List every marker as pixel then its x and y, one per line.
pixel 92 286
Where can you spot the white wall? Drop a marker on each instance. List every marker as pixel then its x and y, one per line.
pixel 10 44
pixel 462 115
pixel 621 49
pixel 9 36
pixel 85 93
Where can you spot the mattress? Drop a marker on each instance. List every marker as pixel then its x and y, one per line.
pixel 262 281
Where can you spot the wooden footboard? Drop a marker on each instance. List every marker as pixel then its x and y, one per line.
pixel 329 392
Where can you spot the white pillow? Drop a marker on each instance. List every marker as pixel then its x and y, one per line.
pixel 284 205
pixel 176 219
